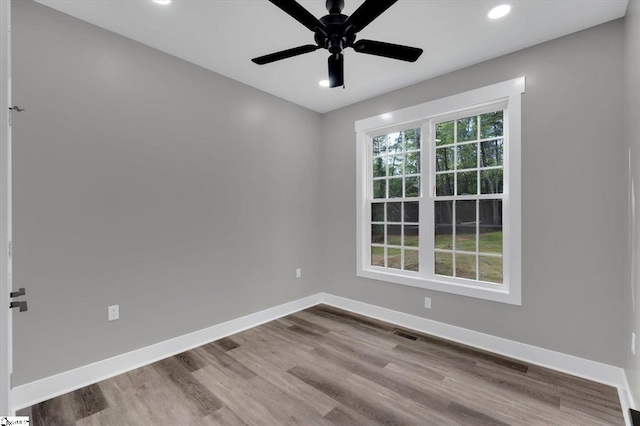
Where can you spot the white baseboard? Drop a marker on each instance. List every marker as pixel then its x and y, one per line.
pixel 591 370
pixel 626 399
pixel 50 387
pixel 59 384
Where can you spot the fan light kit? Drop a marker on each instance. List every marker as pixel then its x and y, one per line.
pixel 324 83
pixel 336 32
pixel 499 11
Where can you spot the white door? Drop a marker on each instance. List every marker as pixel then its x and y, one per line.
pixel 5 209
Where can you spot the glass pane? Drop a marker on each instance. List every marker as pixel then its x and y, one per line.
pixel 444 264
pixel 466 225
pixel 490 226
pixel 466 266
pixel 491 153
pixel 491 124
pixel 468 156
pixel 412 139
pixel 444 159
pixel 412 186
pixel 443 220
pixel 395 188
pixel 394 235
pixel 380 188
pixel 491 181
pixel 411 212
pixel 394 212
pixel 377 212
pixel 444 133
pixel 491 269
pixel 379 145
pixel 468 129
pixel 411 235
pixel 377 256
pixel 444 184
pixel 395 142
pixel 411 260
pixel 468 183
pixel 394 258
pixel 379 166
pixel 395 165
pixel 412 163
pixel 377 234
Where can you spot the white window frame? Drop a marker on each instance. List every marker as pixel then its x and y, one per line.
pixel 505 95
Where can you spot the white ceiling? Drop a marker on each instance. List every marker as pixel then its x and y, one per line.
pixel 223 36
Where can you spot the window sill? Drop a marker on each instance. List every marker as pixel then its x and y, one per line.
pixel 502 295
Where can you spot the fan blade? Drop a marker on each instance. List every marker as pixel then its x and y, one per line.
pixel 388 50
pixel 300 14
pixel 266 59
pixel 366 13
pixel 336 70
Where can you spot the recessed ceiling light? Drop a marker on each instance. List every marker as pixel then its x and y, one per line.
pixel 324 83
pixel 386 115
pixel 499 11
pixel 162 1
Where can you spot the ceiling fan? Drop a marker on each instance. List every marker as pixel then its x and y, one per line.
pixel 336 32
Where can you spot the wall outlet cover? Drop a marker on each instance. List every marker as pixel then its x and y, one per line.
pixel 427 302
pixel 298 273
pixel 113 312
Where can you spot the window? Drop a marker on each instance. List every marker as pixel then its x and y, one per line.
pixel 439 194
pixel 394 205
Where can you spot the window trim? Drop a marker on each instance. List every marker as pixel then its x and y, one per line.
pixel 507 93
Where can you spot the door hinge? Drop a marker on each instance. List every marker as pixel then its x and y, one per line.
pixel 10 380
pixel 10 248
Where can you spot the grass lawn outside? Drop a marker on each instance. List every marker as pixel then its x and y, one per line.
pixel 490 266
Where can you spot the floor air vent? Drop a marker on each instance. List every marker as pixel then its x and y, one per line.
pixel 405 335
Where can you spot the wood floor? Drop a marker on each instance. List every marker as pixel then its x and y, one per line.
pixel 324 366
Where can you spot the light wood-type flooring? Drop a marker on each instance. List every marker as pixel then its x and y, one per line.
pixel 324 366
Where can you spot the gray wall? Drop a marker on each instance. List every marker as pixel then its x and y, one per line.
pixel 141 180
pixel 189 199
pixel 632 138
pixel 573 197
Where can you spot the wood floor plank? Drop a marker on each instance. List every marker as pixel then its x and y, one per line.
pixel 469 416
pixel 324 366
pixel 56 411
pixel 294 387
pixel 226 344
pixel 415 413
pixel 358 333
pixel 301 322
pixel 191 361
pixel 191 388
pixel 350 398
pixel 224 416
pixel 215 356
pixel 518 383
pixel 420 394
pixel 234 397
pixel 150 402
pixel 284 408
pixel 109 416
pixel 88 401
pixel 346 417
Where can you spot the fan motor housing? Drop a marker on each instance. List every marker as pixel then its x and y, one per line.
pixel 336 40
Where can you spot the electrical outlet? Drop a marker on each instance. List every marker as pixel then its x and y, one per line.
pixel 427 302
pixel 298 273
pixel 633 343
pixel 114 312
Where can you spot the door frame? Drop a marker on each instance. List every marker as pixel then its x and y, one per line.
pixel 6 345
